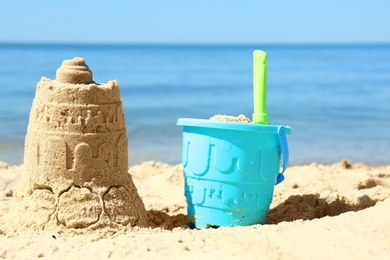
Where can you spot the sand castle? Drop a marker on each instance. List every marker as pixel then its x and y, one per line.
pixel 76 154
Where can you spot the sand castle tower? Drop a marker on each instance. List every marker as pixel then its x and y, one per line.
pixel 76 153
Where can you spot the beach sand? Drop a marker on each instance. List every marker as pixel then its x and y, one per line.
pixel 337 211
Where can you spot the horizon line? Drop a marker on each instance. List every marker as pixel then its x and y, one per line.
pixel 200 44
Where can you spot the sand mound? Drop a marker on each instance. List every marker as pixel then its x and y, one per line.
pixel 226 118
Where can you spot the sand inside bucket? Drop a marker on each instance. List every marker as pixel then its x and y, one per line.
pixel 226 118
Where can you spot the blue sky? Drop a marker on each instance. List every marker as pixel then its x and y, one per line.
pixel 195 21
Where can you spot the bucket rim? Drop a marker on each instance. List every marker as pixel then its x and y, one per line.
pixel 205 123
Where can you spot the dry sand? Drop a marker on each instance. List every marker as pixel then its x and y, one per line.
pixel 338 211
pixel 240 118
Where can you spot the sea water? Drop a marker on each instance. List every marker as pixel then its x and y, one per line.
pixel 335 98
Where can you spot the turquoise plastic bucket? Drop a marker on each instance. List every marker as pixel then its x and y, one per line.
pixel 230 170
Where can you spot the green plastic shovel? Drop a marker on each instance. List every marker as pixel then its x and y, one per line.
pixel 259 87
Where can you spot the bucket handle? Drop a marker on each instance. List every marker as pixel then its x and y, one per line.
pixel 284 148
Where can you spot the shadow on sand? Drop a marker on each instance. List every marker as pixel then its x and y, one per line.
pixel 311 206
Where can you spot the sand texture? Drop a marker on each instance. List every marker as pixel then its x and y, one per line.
pixel 226 118
pixel 338 211
pixel 76 155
